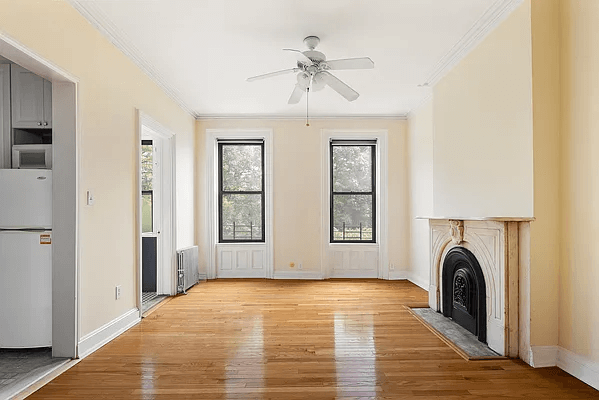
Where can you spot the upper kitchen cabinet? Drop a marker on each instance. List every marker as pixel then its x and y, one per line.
pixel 31 100
pixel 4 115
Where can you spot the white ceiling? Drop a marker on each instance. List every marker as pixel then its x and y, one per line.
pixel 202 51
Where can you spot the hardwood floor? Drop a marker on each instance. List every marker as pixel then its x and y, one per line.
pixel 273 339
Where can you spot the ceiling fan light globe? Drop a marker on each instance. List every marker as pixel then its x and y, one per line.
pixel 318 83
pixel 303 80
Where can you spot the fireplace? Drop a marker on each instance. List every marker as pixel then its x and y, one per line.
pixel 464 294
pixel 475 266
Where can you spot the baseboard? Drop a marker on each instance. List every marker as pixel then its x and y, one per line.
pixel 399 275
pixel 104 334
pixel 419 281
pixel 408 275
pixel 543 356
pixel 579 366
pixel 297 275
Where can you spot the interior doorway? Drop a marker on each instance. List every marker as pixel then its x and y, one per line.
pixel 156 214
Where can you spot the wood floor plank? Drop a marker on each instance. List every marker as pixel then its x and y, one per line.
pixel 273 339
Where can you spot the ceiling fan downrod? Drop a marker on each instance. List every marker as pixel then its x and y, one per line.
pixel 307 108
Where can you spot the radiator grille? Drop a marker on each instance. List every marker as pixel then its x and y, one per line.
pixel 187 268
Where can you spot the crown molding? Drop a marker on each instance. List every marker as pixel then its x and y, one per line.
pixel 417 107
pixel 397 117
pixel 490 19
pixel 102 23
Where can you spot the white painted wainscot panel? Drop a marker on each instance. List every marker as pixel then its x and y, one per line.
pixel 353 261
pixel 241 260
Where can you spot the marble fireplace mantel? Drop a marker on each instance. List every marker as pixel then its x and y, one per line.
pixel 495 243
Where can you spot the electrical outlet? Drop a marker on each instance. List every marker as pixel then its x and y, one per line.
pixel 291 265
pixel 300 266
pixel 117 292
pixel 391 267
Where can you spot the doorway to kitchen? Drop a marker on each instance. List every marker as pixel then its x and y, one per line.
pixel 156 214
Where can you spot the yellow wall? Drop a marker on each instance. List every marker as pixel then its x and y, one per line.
pixel 297 186
pixel 420 166
pixel 579 270
pixel 544 231
pixel 483 127
pixel 110 88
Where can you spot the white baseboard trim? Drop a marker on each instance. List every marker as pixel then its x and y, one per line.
pixel 408 275
pixel 543 356
pixel 579 366
pixel 419 281
pixel 297 275
pixel 104 334
pixel 399 275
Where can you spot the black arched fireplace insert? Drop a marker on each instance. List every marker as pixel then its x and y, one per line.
pixel 464 293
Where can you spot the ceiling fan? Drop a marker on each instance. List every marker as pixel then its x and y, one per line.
pixel 313 72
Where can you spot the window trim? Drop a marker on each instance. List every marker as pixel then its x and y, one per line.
pixel 353 143
pixel 220 143
pixel 210 224
pixel 329 251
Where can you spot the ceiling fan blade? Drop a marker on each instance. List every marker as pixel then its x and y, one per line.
pixel 351 63
pixel 338 86
pixel 296 96
pixel 301 57
pixel 271 74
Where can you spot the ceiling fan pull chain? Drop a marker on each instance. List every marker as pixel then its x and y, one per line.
pixel 307 102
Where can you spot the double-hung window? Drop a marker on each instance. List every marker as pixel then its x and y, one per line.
pixel 353 191
pixel 241 190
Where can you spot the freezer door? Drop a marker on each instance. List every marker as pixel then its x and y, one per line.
pixel 25 198
pixel 25 289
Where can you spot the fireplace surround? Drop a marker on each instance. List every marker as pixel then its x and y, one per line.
pixel 491 245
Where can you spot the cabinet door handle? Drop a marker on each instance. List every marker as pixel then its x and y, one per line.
pixel 39 124
pixel 45 124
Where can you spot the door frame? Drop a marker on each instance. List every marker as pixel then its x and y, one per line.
pixel 382 223
pixel 166 253
pixel 212 218
pixel 66 255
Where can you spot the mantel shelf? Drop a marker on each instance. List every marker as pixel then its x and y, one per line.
pixel 500 219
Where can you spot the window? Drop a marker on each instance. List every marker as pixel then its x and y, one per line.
pixel 241 191
pixel 353 203
pixel 147 187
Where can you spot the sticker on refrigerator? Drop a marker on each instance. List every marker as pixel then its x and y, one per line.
pixel 45 238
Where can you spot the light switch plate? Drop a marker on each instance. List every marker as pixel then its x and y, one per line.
pixel 91 198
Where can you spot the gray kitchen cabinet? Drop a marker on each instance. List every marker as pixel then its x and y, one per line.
pixel 31 100
pixel 5 116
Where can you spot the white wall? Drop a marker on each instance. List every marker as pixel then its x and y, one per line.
pixel 185 205
pixel 420 167
pixel 482 163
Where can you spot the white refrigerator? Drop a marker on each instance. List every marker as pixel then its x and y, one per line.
pixel 25 258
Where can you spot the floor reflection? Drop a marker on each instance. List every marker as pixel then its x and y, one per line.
pixel 355 354
pixel 148 377
pixel 245 364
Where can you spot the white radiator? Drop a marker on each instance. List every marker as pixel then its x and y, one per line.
pixel 187 268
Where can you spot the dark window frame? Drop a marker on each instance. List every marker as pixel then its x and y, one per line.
pixel 353 143
pixel 222 192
